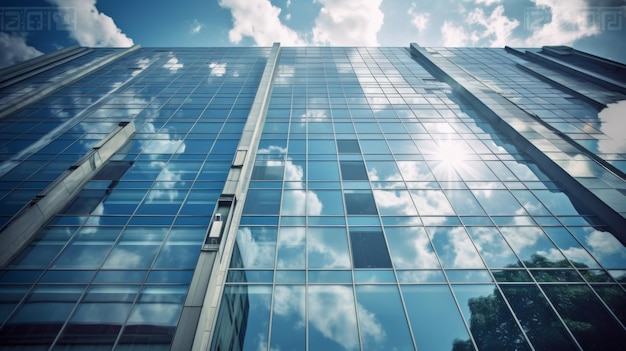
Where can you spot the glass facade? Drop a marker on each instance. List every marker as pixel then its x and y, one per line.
pixel 114 266
pixel 385 213
pixel 381 209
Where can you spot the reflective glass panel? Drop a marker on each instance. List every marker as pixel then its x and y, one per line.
pixel 382 322
pixel 332 318
pixel 435 320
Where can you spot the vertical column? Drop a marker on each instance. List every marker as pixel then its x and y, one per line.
pixel 195 328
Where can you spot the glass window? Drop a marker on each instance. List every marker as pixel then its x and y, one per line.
pixel 348 147
pixel 321 146
pixel 431 203
pixel 291 247
pixel 541 324
pixel 383 171
pixel 324 202
pixel 332 318
pixel 603 246
pixel 435 320
pixel 134 254
pixel 295 201
pixel 262 201
pixel 464 203
pixel 268 170
pixel 255 247
pixel 557 202
pixel 499 202
pixel 491 323
pixel 327 247
pixel 369 249
pixel 360 202
pixel 382 321
pixel 245 317
pixel 85 202
pixel 579 306
pixel 533 247
pixel 578 256
pixel 373 147
pixel 353 170
pixel 29 324
pixel 394 203
pixel 492 247
pixel 455 248
pixel 288 318
pixel 83 254
pixel 410 248
pixel 323 170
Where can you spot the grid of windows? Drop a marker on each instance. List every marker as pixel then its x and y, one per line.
pixel 384 213
pixel 113 268
pixel 595 130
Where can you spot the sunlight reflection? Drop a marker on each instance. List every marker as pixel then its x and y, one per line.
pixel 451 153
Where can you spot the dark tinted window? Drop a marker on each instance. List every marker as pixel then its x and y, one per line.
pixel 369 249
pixel 353 170
pixel 348 147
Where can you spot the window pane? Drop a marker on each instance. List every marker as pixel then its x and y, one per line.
pixel 431 203
pixel 245 317
pixel 348 147
pixel 360 202
pixel 255 247
pixel 262 202
pixel 332 318
pixel 327 247
pixel 541 324
pixel 291 247
pixel 494 250
pixel 288 319
pixel 353 170
pixel 368 248
pixel 435 320
pixel 586 317
pixel 491 323
pixel 455 248
pixel 394 202
pixel 533 247
pixel 410 248
pixel 382 321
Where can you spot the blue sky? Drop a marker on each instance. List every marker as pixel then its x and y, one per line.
pixel 31 27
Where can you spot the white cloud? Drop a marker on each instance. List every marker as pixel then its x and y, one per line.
pixel 13 49
pixel 259 20
pixel 498 28
pixel 173 65
pixel 453 35
pixel 568 23
pixel 348 22
pixel 92 27
pixel 288 17
pixel 195 27
pixel 613 126
pixel 217 69
pixel 418 20
pixel 487 2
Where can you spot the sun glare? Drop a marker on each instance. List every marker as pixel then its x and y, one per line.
pixel 451 153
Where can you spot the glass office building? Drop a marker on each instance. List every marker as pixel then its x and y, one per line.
pixel 313 198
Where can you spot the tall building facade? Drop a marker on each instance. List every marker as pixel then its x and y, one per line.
pixel 313 198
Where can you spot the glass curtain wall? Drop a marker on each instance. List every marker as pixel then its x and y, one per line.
pixel 384 213
pixel 112 269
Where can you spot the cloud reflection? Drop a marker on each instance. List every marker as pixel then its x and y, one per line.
pixel 613 126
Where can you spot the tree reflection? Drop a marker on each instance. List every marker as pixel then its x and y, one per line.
pixel 493 327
